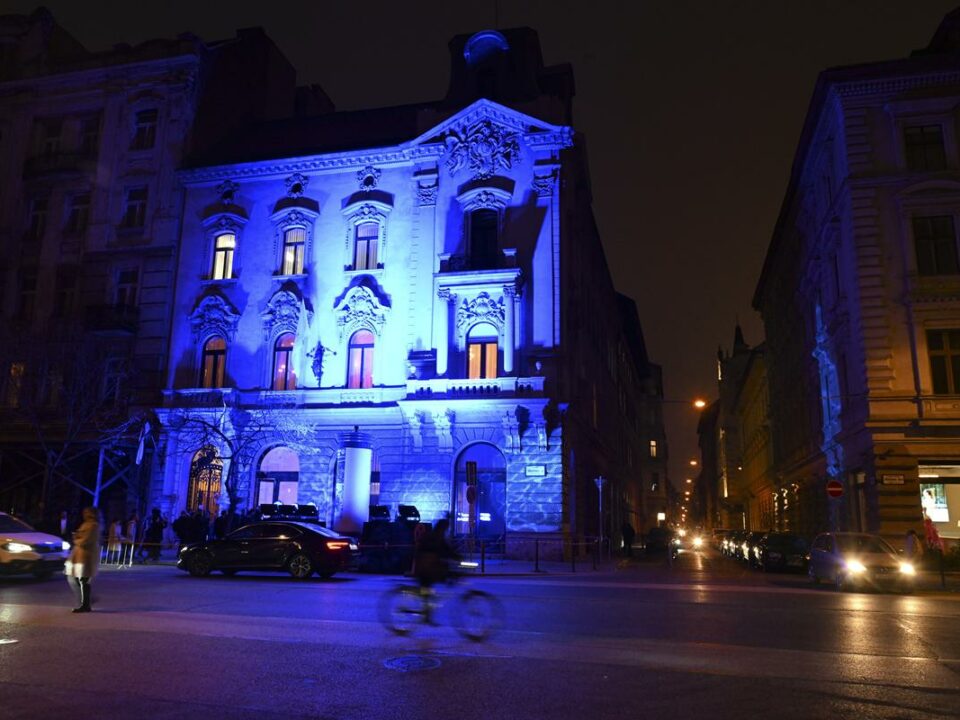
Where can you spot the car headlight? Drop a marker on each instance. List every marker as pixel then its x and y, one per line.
pixel 697 542
pixel 855 566
pixel 907 569
pixel 64 546
pixel 17 547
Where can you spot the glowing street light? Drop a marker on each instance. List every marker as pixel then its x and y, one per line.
pixel 693 463
pixel 699 403
pixel 689 481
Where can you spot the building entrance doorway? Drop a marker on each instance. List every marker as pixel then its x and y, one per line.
pixel 480 493
pixel 206 470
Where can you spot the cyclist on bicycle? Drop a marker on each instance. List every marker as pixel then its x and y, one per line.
pixel 432 561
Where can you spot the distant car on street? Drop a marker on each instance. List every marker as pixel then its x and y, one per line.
pixel 23 550
pixel 658 540
pixel 781 551
pixel 859 560
pixel 298 548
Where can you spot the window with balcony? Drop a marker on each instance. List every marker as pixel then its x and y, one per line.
pixel 360 360
pixel 482 352
pixel 365 246
pixel 484 231
pixel 213 362
pixel 78 215
pixel 283 375
pixel 144 130
pixel 943 348
pixel 224 246
pixel 135 208
pixel 294 242
pixel 923 148
pixel 935 241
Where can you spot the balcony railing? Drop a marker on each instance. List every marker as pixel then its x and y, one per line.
pixel 503 260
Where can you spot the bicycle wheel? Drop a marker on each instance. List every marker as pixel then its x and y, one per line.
pixel 477 615
pixel 401 608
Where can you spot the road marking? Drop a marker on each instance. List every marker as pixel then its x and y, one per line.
pixel 710 658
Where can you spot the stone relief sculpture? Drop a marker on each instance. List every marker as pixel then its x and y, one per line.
pixel 485 148
pixel 360 308
pixel 214 315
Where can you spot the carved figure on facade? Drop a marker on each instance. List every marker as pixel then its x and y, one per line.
pixel 360 308
pixel 282 314
pixel 485 148
pixel 482 308
pixel 415 423
pixel 296 185
pixel 511 433
pixel 214 315
pixel 368 178
pixel 443 424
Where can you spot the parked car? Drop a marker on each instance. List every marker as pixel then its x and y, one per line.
pixel 296 547
pixel 658 540
pixel 731 542
pixel 23 550
pixel 748 546
pixel 851 560
pixel 782 551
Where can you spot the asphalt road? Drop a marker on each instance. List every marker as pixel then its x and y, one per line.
pixel 703 639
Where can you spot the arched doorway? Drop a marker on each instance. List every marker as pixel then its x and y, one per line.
pixel 278 477
pixel 206 471
pixel 480 492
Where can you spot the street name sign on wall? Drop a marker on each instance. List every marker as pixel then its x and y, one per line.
pixel 835 488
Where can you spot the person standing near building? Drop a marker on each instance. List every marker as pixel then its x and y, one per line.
pixel 935 546
pixel 913 548
pixel 84 560
pixel 154 536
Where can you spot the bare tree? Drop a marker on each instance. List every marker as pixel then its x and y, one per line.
pixel 234 435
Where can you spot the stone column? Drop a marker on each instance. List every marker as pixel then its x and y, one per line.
pixel 358 456
pixel 442 332
pixel 509 325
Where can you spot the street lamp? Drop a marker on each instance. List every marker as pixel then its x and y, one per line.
pixel 693 463
pixel 699 403
pixel 689 481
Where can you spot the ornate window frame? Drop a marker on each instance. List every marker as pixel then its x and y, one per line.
pixel 481 308
pixel 213 316
pixel 281 315
pixel 360 309
pixel 482 196
pixel 286 219
pixel 356 214
pixel 214 227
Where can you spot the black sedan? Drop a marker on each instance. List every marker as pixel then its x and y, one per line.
pixel 782 551
pixel 301 549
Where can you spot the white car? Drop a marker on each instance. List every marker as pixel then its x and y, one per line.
pixel 24 550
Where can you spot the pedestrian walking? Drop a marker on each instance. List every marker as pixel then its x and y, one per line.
pixel 935 546
pixel 629 534
pixel 84 561
pixel 913 548
pixel 154 535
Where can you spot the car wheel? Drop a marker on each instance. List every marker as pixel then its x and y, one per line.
pixel 201 564
pixel 300 566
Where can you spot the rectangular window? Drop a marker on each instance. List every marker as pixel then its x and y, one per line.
pixel 89 136
pixel 653 448
pixel 365 254
pixel 923 147
pixel 223 249
pixel 127 286
pixel 28 294
pixel 484 229
pixel 145 130
pixel 79 214
pixel 935 241
pixel 135 210
pixel 50 132
pixel 943 348
pixel 37 222
pixel 481 360
pixel 65 298
pixel 294 241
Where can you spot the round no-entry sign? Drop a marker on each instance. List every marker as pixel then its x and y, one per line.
pixel 835 488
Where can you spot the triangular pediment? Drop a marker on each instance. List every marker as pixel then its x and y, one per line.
pixel 506 120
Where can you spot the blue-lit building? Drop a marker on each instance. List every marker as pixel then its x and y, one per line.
pixel 411 306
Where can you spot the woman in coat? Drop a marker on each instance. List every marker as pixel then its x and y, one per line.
pixel 84 557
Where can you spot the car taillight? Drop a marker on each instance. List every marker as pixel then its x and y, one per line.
pixel 337 544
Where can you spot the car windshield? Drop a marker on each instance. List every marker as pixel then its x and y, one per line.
pixel 863 544
pixel 12 525
pixel 787 541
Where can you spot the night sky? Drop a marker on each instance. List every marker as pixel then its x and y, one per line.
pixel 691 112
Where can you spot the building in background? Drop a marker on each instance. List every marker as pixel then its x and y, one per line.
pixel 410 306
pixel 90 216
pixel 860 298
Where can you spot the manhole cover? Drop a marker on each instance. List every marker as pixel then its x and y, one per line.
pixel 409 663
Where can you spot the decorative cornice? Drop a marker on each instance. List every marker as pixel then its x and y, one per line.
pixel 895 85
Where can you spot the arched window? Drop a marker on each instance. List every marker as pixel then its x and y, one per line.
pixel 484 228
pixel 283 377
pixel 482 351
pixel 294 241
pixel 214 362
pixel 365 246
pixel 278 477
pixel 223 248
pixel 360 360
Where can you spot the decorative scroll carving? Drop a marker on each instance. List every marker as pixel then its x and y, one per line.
pixel 214 316
pixel 484 148
pixel 511 433
pixel 543 184
pixel 282 314
pixel 482 308
pixel 360 308
pixel 296 185
pixel 224 224
pixel 415 422
pixel 227 190
pixel 427 194
pixel 368 178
